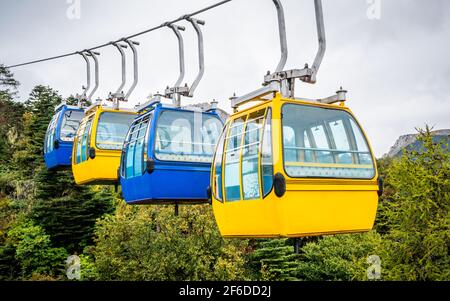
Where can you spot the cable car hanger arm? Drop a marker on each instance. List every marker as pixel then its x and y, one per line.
pixel 94 56
pixel 118 95
pixel 322 41
pixel 284 81
pixel 177 90
pixel 307 75
pixel 201 53
pixel 282 33
pixel 135 67
pixel 124 64
pixel 83 95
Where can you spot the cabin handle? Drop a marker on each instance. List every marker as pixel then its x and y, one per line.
pixel 55 144
pixel 150 165
pixel 91 153
pixel 279 185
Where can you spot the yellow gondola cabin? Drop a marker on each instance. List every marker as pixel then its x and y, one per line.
pixel 98 145
pixel 294 168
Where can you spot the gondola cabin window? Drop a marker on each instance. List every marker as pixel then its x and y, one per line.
pixel 82 141
pixel 247 159
pixel 112 129
pixel 135 147
pixel 324 143
pixel 50 134
pixel 250 155
pixel 217 173
pixel 267 155
pixel 232 159
pixel 186 136
pixel 70 123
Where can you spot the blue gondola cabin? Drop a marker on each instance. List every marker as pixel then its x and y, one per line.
pixel 60 135
pixel 167 155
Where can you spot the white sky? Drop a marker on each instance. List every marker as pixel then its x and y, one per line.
pixel 396 68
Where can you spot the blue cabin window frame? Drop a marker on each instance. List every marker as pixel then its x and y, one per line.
pixel 137 135
pixel 50 134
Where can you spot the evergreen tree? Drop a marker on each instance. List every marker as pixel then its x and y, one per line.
pixel 418 212
pixel 40 109
pixel 340 257
pixel 275 259
pixel 10 116
pixel 66 211
pixel 8 84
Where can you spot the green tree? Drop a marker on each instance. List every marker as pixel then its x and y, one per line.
pixel 66 211
pixel 34 252
pixel 40 108
pixel 417 244
pixel 10 116
pixel 274 259
pixel 337 257
pixel 7 81
pixel 151 243
pixel 9 266
pixel 382 221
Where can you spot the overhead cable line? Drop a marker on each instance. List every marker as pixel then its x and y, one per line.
pixel 165 24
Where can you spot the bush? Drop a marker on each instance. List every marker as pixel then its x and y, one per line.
pixel 337 257
pixel 151 243
pixel 34 252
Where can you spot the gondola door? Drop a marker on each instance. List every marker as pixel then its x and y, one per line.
pixel 134 157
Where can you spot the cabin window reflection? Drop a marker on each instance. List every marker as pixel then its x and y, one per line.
pixel 82 141
pixel 50 134
pixel 250 156
pixel 267 155
pixel 112 129
pixel 322 142
pixel 232 159
pixel 69 125
pixel 217 181
pixel 187 136
pixel 134 147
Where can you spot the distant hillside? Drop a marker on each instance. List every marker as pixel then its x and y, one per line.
pixel 410 142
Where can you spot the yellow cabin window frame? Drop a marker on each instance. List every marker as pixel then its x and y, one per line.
pixel 242 149
pixel 324 157
pixel 82 141
pixel 218 159
pixel 108 144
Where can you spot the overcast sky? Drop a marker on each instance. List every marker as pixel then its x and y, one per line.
pixel 396 67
